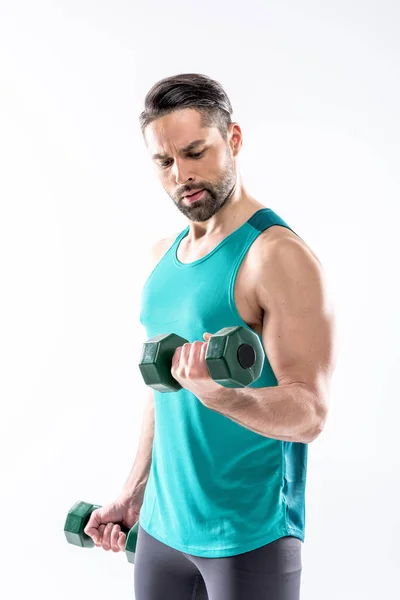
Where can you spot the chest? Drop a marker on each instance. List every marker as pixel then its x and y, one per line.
pixel 245 296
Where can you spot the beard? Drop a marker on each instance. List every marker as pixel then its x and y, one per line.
pixel 214 197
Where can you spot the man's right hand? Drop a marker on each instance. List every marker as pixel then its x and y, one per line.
pixel 104 525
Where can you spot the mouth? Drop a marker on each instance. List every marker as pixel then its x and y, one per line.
pixel 194 196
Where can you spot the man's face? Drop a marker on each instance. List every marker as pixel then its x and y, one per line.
pixel 208 165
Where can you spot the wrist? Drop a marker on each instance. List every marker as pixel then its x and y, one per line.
pixel 132 497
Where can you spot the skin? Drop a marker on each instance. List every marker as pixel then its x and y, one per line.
pixel 226 203
pixel 298 320
pixel 298 323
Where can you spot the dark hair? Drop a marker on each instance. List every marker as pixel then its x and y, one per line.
pixel 189 90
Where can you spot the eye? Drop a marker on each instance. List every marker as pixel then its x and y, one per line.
pixel 192 155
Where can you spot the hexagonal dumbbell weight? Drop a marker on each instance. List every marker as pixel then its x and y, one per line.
pixel 78 518
pixel 234 357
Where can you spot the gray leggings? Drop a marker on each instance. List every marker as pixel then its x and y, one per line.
pixel 271 572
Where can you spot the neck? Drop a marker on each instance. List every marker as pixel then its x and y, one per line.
pixel 239 208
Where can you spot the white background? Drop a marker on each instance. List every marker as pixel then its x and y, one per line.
pixel 315 88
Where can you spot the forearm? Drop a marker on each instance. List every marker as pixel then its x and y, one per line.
pixel 285 412
pixel 135 485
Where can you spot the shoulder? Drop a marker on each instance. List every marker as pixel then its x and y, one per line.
pixel 157 250
pixel 159 247
pixel 278 243
pixel 285 264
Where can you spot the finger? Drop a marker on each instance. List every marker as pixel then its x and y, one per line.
pixel 121 540
pixel 114 537
pixel 176 357
pixel 196 353
pixel 203 352
pixel 100 536
pixel 92 526
pixel 93 533
pixel 106 543
pixel 185 354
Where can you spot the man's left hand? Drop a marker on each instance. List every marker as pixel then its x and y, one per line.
pixel 190 369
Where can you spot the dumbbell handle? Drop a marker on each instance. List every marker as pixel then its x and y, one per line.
pixel 234 358
pixel 124 529
pixel 77 519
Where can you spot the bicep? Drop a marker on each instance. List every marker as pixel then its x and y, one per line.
pixel 298 324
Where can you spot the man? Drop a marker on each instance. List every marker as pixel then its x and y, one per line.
pixel 223 513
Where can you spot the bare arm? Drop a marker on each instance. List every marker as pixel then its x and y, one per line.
pixel 136 483
pixel 298 335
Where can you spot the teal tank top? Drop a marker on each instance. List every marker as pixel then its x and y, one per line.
pixel 215 488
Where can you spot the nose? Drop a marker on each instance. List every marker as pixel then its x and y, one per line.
pixel 181 173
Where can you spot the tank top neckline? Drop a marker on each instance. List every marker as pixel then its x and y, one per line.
pixel 185 232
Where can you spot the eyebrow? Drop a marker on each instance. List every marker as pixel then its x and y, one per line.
pixel 183 150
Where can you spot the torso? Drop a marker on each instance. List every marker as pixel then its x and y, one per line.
pixel 246 280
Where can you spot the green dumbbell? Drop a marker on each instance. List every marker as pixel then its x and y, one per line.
pixel 234 357
pixel 78 518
